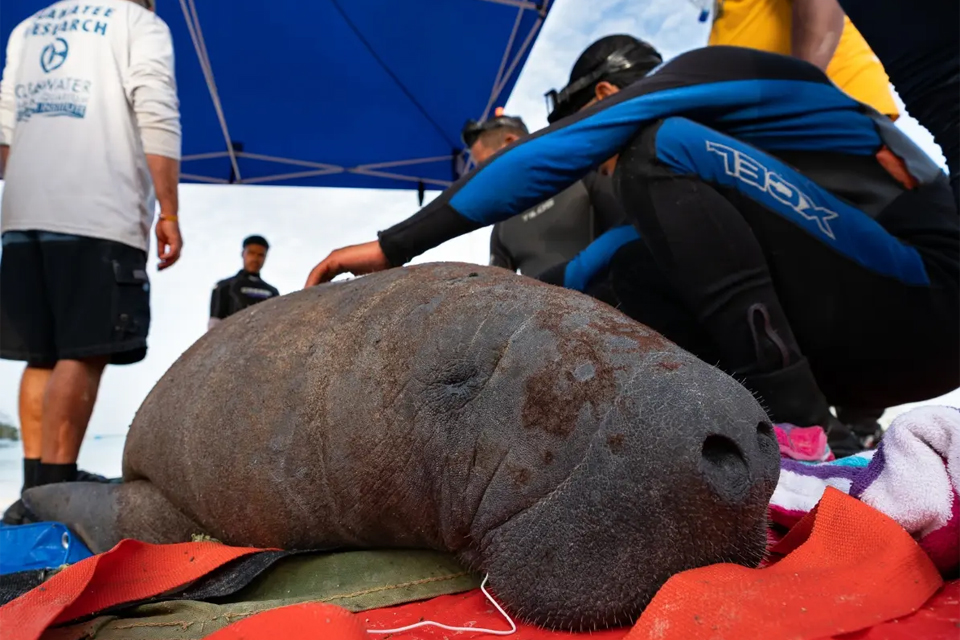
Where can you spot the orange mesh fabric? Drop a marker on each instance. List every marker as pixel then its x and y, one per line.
pixel 849 568
pixel 129 572
pixel 939 619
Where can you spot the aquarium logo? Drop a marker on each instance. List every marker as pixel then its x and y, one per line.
pixel 54 55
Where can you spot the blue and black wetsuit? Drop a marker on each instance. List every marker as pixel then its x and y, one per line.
pixel 743 174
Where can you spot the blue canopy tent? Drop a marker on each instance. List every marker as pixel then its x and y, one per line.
pixel 336 93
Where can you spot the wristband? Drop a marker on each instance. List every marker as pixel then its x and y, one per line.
pixel 164 216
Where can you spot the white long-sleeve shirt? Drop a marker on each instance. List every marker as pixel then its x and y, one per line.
pixel 87 90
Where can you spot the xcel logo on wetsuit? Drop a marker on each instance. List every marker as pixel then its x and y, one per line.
pixel 739 165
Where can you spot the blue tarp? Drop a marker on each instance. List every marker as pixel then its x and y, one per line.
pixel 338 93
pixel 42 545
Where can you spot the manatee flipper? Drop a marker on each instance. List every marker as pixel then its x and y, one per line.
pixel 102 514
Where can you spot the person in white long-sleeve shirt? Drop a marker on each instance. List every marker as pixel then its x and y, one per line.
pixel 89 143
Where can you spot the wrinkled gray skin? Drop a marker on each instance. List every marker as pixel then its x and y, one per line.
pixel 541 436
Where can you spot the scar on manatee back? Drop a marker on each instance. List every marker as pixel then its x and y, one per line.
pixel 615 442
pixel 647 340
pixel 521 475
pixel 554 405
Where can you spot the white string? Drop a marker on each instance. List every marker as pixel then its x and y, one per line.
pixel 428 623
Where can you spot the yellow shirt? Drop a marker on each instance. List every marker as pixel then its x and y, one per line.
pixel 765 25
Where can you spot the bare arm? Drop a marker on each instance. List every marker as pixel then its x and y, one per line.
pixel 816 29
pixel 152 90
pixel 4 154
pixel 166 175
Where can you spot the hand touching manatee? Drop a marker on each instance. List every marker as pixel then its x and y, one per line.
pixel 358 259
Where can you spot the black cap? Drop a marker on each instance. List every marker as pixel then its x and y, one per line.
pixel 578 92
pixel 257 240
pixel 473 129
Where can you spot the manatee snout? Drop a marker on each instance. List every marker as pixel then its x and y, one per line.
pixel 660 490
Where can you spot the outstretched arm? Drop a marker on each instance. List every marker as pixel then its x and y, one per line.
pixel 509 183
pixel 816 29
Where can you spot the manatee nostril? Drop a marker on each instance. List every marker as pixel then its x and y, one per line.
pixel 766 438
pixel 721 451
pixel 725 468
pixel 765 429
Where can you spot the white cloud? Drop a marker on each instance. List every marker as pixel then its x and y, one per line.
pixel 303 225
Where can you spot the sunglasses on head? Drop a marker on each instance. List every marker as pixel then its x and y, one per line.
pixel 574 96
pixel 474 129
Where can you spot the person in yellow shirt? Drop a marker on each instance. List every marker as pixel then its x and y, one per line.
pixel 773 25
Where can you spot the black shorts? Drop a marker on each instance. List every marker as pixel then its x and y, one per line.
pixel 66 297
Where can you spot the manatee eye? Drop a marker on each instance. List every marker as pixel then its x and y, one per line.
pixel 458 374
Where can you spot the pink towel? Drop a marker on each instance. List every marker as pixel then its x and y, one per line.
pixel 913 476
pixel 803 443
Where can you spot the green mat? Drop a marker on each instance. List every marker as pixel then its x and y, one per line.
pixel 355 580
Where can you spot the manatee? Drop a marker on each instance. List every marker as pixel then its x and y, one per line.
pixel 575 456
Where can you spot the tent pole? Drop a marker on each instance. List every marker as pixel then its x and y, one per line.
pixel 503 63
pixel 196 34
pixel 523 4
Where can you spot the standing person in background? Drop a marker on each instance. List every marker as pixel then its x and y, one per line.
pixel 90 134
pixel 244 289
pixel 784 26
pixel 558 228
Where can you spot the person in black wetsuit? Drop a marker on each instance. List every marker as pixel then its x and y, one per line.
pixel 554 230
pixel 812 248
pixel 244 289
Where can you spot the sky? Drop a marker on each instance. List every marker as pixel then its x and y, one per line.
pixel 303 224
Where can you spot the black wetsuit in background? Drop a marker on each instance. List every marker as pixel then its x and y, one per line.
pixel 238 292
pixel 557 229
